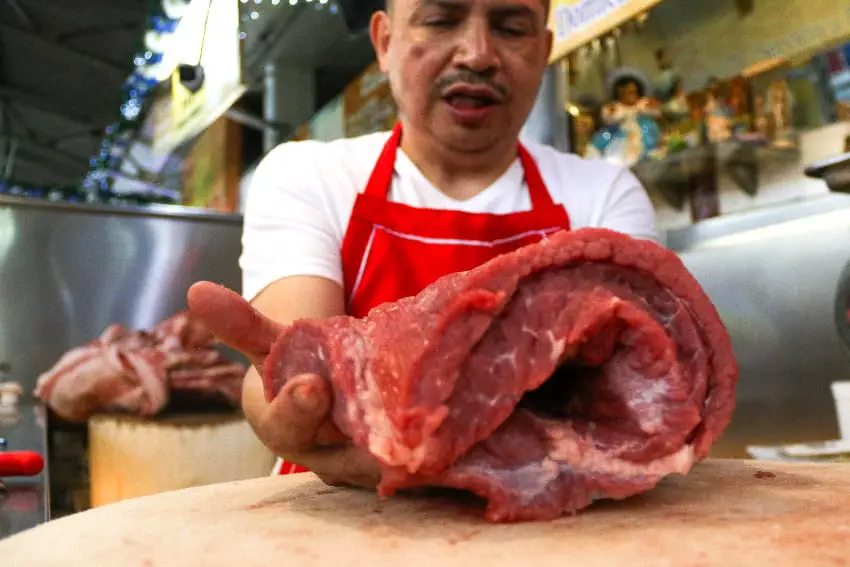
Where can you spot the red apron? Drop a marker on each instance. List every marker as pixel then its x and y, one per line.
pixel 391 250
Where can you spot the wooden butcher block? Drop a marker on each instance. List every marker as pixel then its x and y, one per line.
pixel 725 513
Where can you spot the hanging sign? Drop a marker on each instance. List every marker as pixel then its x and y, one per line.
pixel 576 22
pixel 206 47
pixel 571 16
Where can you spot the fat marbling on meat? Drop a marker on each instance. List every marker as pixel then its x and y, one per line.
pixel 589 365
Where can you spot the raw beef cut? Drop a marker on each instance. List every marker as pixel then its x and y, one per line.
pixel 137 371
pixel 589 365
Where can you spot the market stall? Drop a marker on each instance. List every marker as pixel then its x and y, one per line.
pixel 715 105
pixel 729 113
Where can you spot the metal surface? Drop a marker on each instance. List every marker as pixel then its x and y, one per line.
pixel 773 276
pixel 841 307
pixel 28 502
pixel 682 239
pixel 561 79
pixel 271 136
pixel 834 171
pixel 546 123
pixel 816 169
pixel 248 119
pixel 308 36
pixel 146 211
pixel 67 272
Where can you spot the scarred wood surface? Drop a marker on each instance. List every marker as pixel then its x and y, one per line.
pixel 725 513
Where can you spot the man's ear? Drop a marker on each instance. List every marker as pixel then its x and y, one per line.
pixel 379 32
pixel 550 43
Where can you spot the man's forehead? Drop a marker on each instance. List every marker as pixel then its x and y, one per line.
pixel 414 4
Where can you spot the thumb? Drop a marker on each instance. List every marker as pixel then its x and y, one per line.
pixel 297 414
pixel 233 320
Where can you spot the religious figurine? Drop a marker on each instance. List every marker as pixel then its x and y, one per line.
pixel 718 113
pixel 761 121
pixel 630 130
pixel 677 123
pixel 680 127
pixel 676 107
pixel 667 81
pixel 585 112
pixel 780 108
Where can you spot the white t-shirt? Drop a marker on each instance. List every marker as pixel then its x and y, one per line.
pixel 302 194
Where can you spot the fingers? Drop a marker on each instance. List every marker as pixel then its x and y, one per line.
pixel 298 427
pixel 341 466
pixel 329 435
pixel 296 415
pixel 297 423
pixel 233 320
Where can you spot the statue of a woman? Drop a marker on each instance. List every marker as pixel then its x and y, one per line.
pixel 630 131
pixel 718 113
pixel 780 109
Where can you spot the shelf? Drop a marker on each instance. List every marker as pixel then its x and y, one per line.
pixel 674 176
pixel 578 22
pixel 835 172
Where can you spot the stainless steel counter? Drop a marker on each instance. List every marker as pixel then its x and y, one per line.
pixel 69 271
pixel 774 275
pixel 27 503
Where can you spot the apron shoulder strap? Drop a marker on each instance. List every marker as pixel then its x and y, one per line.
pixel 381 179
pixel 537 191
pixel 382 175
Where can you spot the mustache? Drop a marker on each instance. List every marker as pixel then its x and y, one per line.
pixel 468 77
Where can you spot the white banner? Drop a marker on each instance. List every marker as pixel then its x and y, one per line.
pixel 209 30
pixel 571 16
pixel 576 22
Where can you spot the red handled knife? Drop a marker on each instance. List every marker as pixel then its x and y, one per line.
pixel 20 463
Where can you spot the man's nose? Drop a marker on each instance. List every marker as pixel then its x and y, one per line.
pixel 477 50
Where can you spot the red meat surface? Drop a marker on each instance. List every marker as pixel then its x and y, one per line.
pixel 137 371
pixel 589 365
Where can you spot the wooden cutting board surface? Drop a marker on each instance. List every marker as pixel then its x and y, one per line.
pixel 726 513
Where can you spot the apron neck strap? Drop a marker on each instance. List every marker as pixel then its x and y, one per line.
pixel 382 175
pixel 536 187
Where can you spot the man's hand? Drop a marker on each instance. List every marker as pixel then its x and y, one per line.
pixel 296 424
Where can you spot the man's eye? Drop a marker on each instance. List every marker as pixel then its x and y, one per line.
pixel 515 26
pixel 512 31
pixel 438 22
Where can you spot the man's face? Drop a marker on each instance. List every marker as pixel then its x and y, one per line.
pixel 465 72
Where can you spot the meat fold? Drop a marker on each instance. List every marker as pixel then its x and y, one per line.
pixel 589 365
pixel 138 371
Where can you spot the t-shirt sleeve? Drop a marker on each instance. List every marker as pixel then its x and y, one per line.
pixel 629 209
pixel 287 230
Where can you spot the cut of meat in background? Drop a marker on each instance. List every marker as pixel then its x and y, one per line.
pixel 137 371
pixel 587 366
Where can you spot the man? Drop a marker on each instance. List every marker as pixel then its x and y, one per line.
pixel 339 227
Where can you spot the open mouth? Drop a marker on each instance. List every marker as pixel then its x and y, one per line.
pixel 467 101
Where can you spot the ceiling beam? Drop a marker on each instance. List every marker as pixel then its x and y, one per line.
pixel 41 104
pixel 29 171
pixel 45 151
pixel 88 59
pixel 106 10
pixel 86 133
pixel 95 30
pixel 37 161
pixel 22 14
pixel 48 171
